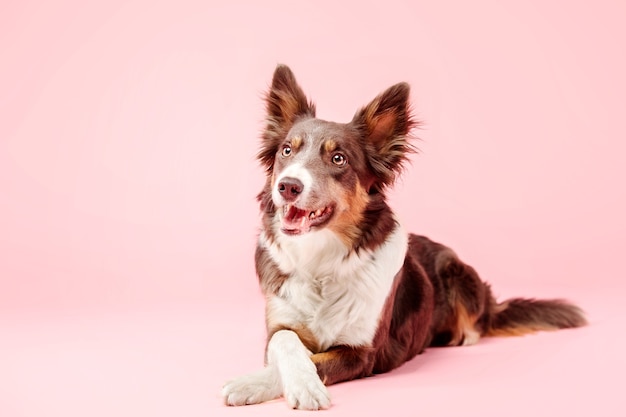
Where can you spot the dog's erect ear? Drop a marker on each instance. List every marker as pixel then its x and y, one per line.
pixel 285 102
pixel 385 124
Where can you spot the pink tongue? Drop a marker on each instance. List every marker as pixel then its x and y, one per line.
pixel 296 220
pixel 294 214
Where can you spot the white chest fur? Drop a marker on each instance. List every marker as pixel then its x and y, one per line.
pixel 338 295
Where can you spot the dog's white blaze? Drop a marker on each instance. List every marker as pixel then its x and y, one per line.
pixel 337 294
pixel 297 171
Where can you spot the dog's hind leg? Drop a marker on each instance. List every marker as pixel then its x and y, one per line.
pixel 467 299
pixel 474 312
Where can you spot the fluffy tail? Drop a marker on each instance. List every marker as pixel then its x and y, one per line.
pixel 519 316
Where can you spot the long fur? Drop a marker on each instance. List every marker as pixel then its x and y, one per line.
pixel 348 292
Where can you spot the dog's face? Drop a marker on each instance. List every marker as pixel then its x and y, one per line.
pixel 323 174
pixel 319 177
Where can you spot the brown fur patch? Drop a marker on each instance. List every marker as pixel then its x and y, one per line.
pixel 465 325
pixel 381 126
pixel 289 105
pixel 347 222
pixel 296 142
pixel 270 277
pixel 342 363
pixel 330 145
pixel 305 335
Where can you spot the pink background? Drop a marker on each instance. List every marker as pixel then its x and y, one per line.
pixel 128 133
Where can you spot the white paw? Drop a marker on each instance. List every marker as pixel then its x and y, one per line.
pixel 305 391
pixel 471 337
pixel 254 388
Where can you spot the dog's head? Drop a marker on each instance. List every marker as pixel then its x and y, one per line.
pixel 323 174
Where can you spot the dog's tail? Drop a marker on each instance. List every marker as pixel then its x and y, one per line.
pixel 519 316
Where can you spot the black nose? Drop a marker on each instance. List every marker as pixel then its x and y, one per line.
pixel 290 188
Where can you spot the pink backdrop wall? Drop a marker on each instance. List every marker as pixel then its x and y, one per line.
pixel 129 130
pixel 128 133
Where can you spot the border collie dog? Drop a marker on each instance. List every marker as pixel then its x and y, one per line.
pixel 348 292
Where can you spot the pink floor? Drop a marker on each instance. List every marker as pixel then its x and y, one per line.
pixel 164 363
pixel 128 134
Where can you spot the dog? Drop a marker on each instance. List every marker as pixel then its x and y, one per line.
pixel 349 293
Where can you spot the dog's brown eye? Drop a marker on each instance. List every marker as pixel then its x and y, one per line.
pixel 339 159
pixel 286 150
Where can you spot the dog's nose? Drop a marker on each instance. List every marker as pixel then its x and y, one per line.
pixel 290 188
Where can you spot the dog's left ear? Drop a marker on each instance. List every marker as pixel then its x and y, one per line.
pixel 385 124
pixel 285 103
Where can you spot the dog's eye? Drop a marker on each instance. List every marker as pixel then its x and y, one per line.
pixel 286 150
pixel 339 159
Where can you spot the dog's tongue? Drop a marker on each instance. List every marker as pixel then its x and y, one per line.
pixel 295 220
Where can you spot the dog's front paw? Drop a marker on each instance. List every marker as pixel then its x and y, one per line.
pixel 252 388
pixel 305 391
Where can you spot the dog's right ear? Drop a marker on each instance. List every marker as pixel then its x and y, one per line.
pixel 285 103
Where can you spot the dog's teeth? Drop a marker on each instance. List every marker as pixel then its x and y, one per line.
pixel 316 213
pixel 303 222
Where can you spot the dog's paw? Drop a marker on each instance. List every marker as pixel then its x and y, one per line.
pixel 252 388
pixel 305 391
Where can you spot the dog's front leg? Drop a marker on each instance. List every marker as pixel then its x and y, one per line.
pixel 302 387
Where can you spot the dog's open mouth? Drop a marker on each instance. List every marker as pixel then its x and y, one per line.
pixel 296 221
